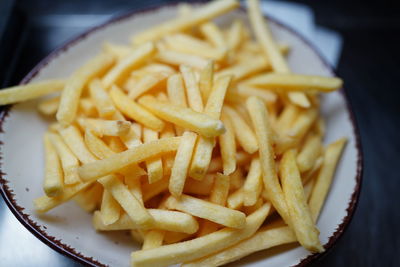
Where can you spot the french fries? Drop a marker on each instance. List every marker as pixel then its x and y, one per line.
pixel 73 88
pixel 283 82
pixel 181 163
pixel 324 179
pixel 184 117
pixel 101 99
pixel 207 12
pixel 92 171
pixel 253 185
pixel 53 181
pixel 137 57
pixel 73 138
pixel 202 154
pixel 189 139
pixel 154 165
pixel 168 220
pixel 202 246
pixel 134 111
pixel 259 117
pixel 227 145
pixel 304 228
pixel 25 92
pixel 69 162
pixel 49 106
pixel 207 210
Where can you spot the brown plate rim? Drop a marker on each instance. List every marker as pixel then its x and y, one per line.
pixel 59 246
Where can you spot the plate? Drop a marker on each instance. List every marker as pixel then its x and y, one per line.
pixel 68 229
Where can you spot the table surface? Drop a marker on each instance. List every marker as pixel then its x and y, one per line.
pixel 369 66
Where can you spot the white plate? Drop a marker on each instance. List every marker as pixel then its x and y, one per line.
pixel 68 229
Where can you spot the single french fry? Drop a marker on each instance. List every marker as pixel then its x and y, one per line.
pixel 137 57
pixel 253 185
pixel 207 210
pixel 73 138
pixel 110 210
pixel 259 117
pixel 146 83
pixel 95 170
pixel 235 35
pixel 264 37
pixel 87 108
pixel 270 48
pixel 262 240
pixel 203 151
pixel 136 211
pixel 206 80
pixel 192 89
pixel 244 134
pixel 220 189
pixel 90 198
pixel 184 117
pixel 236 199
pixel 213 34
pixel 246 91
pixel 200 15
pixel 154 165
pixel 157 68
pixel 48 107
pixel 118 51
pixel 45 203
pixel 188 44
pixel 101 99
pixel 153 239
pixel 181 163
pixel 134 111
pixel 244 69
pixel 102 127
pixel 68 160
pixel 325 176
pixel 302 222
pixel 287 82
pixel 202 246
pixel 73 88
pixel 227 145
pixel 25 92
pixel 176 90
pixel 309 153
pixel 178 58
pixel 53 184
pixel 176 94
pixel 137 235
pixel 168 220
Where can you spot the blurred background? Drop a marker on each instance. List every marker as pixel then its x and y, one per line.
pixel 360 38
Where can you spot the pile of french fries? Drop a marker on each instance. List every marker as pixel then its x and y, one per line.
pixel 191 138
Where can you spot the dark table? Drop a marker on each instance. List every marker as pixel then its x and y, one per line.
pixel 369 65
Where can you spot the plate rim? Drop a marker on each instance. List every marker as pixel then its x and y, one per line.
pixel 56 244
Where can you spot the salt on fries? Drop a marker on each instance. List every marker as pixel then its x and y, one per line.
pixel 189 139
